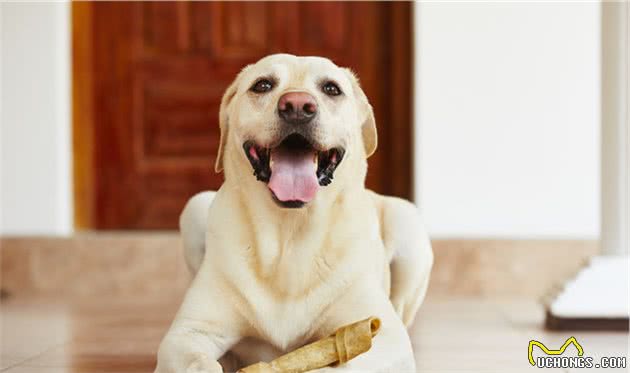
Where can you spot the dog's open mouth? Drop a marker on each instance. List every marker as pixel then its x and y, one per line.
pixel 293 170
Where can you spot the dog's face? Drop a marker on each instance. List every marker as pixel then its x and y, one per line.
pixel 295 120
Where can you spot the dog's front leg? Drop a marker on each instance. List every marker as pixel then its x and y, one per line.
pixel 204 329
pixel 391 348
pixel 190 348
pixel 404 234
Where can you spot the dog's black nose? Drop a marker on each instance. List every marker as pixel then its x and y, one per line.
pixel 297 107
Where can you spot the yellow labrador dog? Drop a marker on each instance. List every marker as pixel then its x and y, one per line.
pixel 293 246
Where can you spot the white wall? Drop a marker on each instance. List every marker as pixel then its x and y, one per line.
pixel 507 101
pixel 35 131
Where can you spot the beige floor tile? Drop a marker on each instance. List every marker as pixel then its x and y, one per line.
pixel 467 335
pixel 28 330
pixel 101 352
pixel 522 314
pixel 122 336
pixel 11 360
pixel 29 369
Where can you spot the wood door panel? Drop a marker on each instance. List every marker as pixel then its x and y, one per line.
pixel 177 118
pixel 166 26
pixel 239 30
pixel 157 74
pixel 332 35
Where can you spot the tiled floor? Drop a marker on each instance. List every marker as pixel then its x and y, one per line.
pixel 122 335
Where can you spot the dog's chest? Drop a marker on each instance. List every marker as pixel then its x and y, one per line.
pixel 289 290
pixel 285 318
pixel 286 324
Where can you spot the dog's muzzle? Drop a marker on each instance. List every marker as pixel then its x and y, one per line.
pixel 295 169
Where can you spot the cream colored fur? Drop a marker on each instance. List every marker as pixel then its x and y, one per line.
pixel 270 279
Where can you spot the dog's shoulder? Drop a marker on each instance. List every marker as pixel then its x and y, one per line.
pixel 394 209
pixel 397 217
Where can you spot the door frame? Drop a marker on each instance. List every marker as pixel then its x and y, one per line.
pixel 82 115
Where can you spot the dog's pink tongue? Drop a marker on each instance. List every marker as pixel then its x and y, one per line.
pixel 293 175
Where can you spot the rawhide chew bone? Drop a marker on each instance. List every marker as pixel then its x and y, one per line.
pixel 347 343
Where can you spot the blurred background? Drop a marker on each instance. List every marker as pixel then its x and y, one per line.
pixel 488 115
pixel 505 122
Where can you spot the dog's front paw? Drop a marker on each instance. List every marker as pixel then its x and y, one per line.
pixel 408 291
pixel 204 365
pixel 406 305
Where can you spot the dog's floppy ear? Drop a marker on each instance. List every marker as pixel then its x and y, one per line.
pixel 368 126
pixel 223 123
pixel 368 130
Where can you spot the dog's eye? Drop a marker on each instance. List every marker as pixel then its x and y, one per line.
pixel 262 86
pixel 331 89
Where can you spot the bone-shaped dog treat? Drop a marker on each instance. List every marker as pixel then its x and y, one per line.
pixel 347 343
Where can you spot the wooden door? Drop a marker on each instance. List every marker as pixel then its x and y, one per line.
pixel 149 76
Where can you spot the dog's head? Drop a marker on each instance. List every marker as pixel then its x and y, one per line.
pixel 296 123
